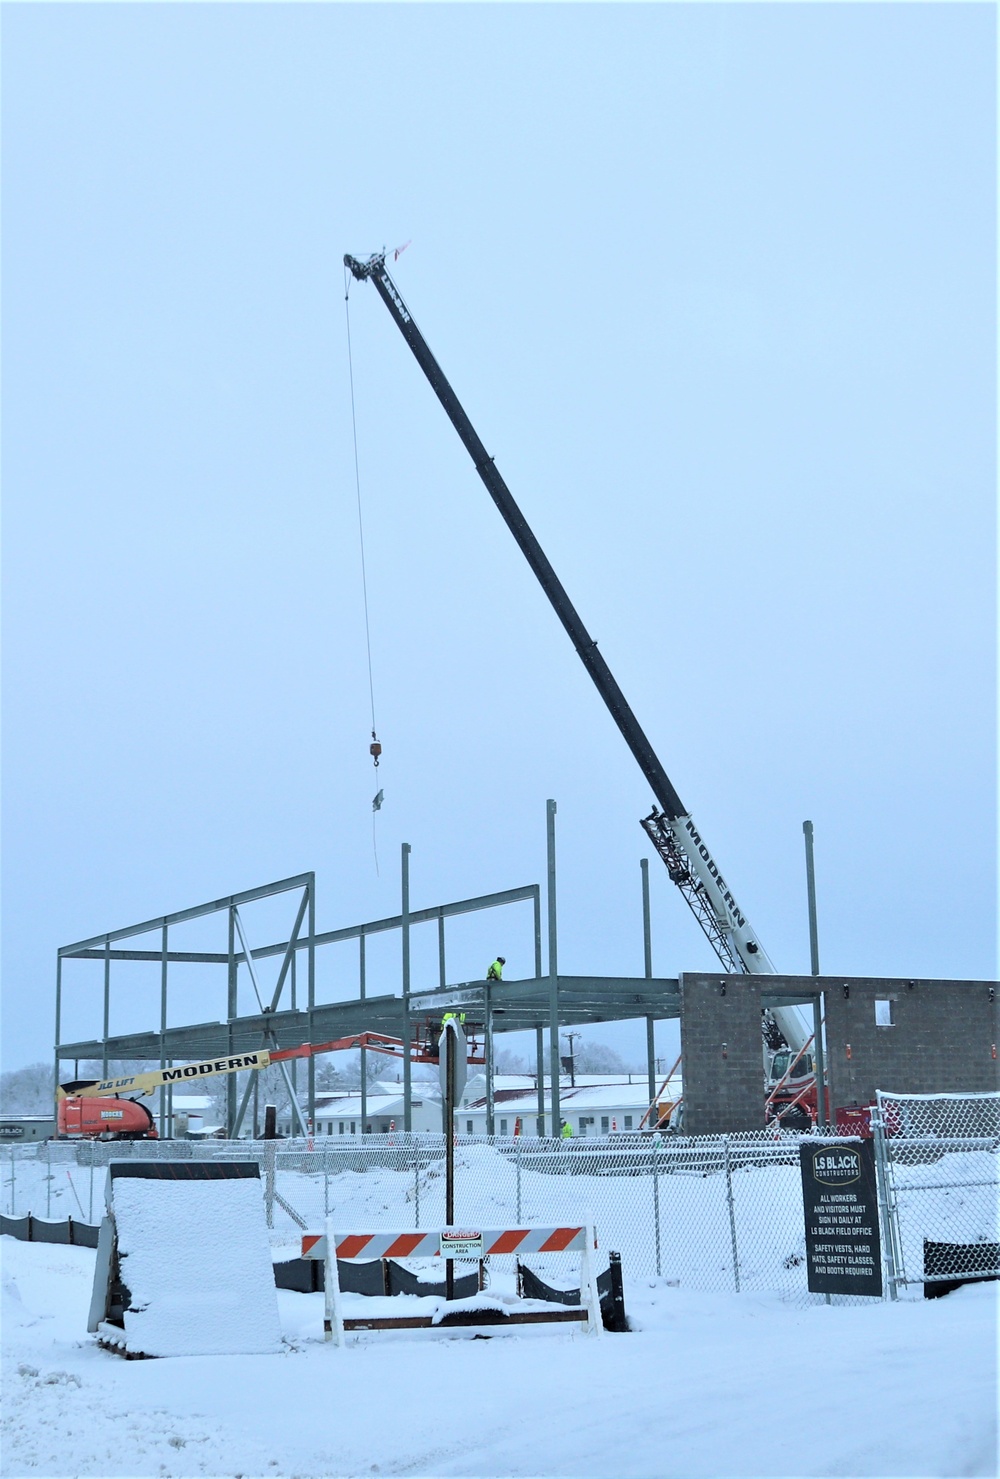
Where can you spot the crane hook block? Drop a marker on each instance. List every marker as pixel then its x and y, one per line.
pixel 374 749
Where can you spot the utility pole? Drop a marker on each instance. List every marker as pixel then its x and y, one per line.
pixel 571 1038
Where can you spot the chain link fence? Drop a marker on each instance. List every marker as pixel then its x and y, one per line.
pixel 710 1213
pixel 939 1161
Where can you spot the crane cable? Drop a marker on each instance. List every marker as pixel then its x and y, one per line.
pixel 374 749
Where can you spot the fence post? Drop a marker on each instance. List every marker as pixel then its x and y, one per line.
pixel 656 1204
pixel 887 1216
pixel 270 1156
pixel 326 1184
pixel 48 1178
pixel 416 1182
pixel 517 1165
pixel 90 1210
pixel 13 1162
pixel 732 1214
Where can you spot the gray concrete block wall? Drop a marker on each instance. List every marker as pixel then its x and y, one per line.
pixel 941 1041
pixel 721 1046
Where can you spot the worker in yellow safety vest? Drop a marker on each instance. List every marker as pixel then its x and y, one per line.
pixel 567 1130
pixel 458 1017
pixel 495 972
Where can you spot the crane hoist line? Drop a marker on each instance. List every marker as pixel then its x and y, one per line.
pixel 670 827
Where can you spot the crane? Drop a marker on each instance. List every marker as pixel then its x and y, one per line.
pixel 669 825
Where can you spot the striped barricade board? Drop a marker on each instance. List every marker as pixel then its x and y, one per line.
pixel 452 1242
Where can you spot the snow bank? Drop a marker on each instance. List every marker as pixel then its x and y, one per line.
pixel 709 1384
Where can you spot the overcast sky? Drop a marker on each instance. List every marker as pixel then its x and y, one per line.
pixel 716 285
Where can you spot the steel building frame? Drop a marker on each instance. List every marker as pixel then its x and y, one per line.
pixel 274 1024
pixel 546 1000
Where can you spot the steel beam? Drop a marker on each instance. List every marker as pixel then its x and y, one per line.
pixel 515 1007
pixel 197 912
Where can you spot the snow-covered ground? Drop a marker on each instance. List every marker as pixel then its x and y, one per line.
pixel 707 1384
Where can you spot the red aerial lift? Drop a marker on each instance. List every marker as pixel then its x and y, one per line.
pixel 102 1109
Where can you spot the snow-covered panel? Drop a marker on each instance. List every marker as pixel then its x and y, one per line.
pixel 196 1260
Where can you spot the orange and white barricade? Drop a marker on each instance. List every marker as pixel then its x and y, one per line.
pixel 452 1242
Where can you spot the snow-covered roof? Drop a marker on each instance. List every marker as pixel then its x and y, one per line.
pixel 502 1082
pixel 350 1104
pixel 581 1099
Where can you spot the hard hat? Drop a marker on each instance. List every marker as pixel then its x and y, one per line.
pixel 501 960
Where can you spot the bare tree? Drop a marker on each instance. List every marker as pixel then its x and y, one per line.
pixel 29 1090
pixel 598 1057
pixel 507 1061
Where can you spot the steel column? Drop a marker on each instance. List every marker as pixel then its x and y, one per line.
pixel 364 1054
pixel 442 976
pixel 311 990
pixel 234 1117
pixel 819 1061
pixel 55 1078
pixel 107 1004
pixel 647 961
pixel 550 856
pixel 818 1054
pixel 295 1061
pixel 807 828
pixel 163 1023
pixel 488 1055
pixel 540 1077
pixel 405 912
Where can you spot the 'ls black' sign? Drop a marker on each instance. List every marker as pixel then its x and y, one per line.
pixel 843 1251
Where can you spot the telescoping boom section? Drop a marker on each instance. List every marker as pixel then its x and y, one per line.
pixel 423 1050
pixel 670 827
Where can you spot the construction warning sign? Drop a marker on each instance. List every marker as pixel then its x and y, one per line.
pixel 458 1244
pixel 840 1202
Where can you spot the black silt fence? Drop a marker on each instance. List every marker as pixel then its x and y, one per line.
pixel 31 1229
pixel 610 1290
pixel 306 1276
pixel 948 1266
